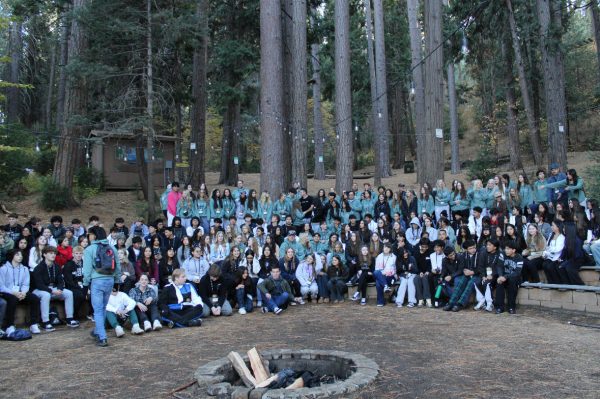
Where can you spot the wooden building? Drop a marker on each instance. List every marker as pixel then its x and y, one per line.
pixel 114 155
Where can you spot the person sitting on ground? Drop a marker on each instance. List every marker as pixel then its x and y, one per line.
pixel 14 289
pixel 120 307
pixel 509 278
pixel 276 291
pixel 48 283
pixel 179 303
pixel 195 267
pixel 306 275
pixel 243 290
pixel 146 304
pixel 337 274
pixel 213 291
pixel 468 276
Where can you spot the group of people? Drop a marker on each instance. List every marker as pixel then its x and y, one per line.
pixel 233 249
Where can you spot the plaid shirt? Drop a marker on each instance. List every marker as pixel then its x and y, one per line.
pixel 138 296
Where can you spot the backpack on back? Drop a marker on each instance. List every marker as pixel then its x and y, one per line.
pixel 105 259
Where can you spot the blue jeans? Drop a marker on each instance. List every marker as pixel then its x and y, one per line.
pixel 205 225
pixel 277 301
pixel 101 288
pixel 322 284
pixel 243 300
pixel 380 282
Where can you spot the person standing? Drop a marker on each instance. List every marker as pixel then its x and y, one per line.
pixel 100 280
pixel 172 199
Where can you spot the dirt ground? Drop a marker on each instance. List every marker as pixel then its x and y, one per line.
pixel 127 204
pixel 423 353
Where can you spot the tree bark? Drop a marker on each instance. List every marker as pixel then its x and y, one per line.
pixel 433 166
pixel 14 93
pixel 286 38
pixel 381 80
pixel 343 97
pixel 178 143
pixel 554 87
pixel 417 77
pixel 453 109
pixel 399 126
pixel 317 113
pixel 512 128
pixel 298 114
pixel 532 122
pixel 50 92
pixel 376 122
pixel 271 77
pixel 197 157
pixel 596 27
pixel 75 108
pixel 62 68
pixel 230 144
pixel 150 114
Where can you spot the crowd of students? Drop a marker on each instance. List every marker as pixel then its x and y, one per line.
pixel 235 249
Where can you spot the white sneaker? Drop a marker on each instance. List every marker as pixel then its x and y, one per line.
pixel 356 296
pixel 147 326
pixel 242 311
pixel 420 303
pixel 363 301
pixel 428 301
pixel 479 305
pixel 301 301
pixel 119 332
pixel 10 330
pixel 489 308
pixel 398 305
pixel 35 329
pixel 386 288
pixel 410 305
pixel 136 329
pixel 259 304
pixel 157 325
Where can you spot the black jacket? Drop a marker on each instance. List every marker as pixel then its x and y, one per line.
pixel 72 274
pixel 208 288
pixel 43 276
pixel 451 267
pixel 494 261
pixel 466 261
pixel 423 261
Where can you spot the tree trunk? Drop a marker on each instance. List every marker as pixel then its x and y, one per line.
pixel 343 97
pixel 453 109
pixel 198 111
pixel 150 115
pixel 286 32
pixel 14 93
pixel 552 65
pixel 230 144
pixel 62 68
pixel 140 145
pixel 75 108
pixel 417 77
pixel 532 123
pixel 317 113
pixel 433 166
pixel 377 132
pixel 50 93
pixel 178 143
pixel 512 128
pixel 271 77
pixel 596 27
pixel 382 98
pixel 399 126
pixel 298 114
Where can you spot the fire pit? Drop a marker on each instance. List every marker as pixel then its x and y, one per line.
pixel 350 373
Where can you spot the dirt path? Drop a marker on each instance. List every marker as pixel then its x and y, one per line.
pixel 423 353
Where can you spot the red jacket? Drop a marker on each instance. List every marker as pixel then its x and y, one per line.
pixel 64 255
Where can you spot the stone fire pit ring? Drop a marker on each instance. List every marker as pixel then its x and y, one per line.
pixel 219 379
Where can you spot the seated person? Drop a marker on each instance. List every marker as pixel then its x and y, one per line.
pixel 306 275
pixel 14 289
pixel 467 276
pixel 275 291
pixel 73 276
pixel 337 274
pixel 146 304
pixel 179 303
pixel 243 290
pixel 48 283
pixel 195 267
pixel 127 279
pixel 509 278
pixel 119 308
pixel 213 291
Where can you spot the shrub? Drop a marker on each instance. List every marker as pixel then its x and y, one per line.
pixel 54 197
pixel 13 163
pixel 484 165
pixel 89 178
pixel 44 163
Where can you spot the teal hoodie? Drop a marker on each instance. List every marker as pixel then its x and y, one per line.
pixel 89 259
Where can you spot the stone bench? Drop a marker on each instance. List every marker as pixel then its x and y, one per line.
pixel 583 298
pixel 22 312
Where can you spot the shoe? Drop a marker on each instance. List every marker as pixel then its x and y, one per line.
pixel 277 310
pixel 499 310
pixel 93 334
pixel 436 304
pixel 10 330
pixel 334 301
pixel 147 326
pixel 301 302
pixel 456 308
pixel 119 332
pixel 386 288
pixel 35 329
pixel 171 324
pixel 379 305
pixel 479 305
pixel 259 304
pixel 195 323
pixel 156 326
pixel 356 296
pixel 48 327
pixel 264 309
pixel 428 302
pixel 489 308
pixel 410 305
pixel 72 323
pixel 325 300
pixel 102 343
pixel 341 300
pixel 448 307
pixel 293 303
pixel 320 300
pixel 420 303
pixel 135 329
pixel 512 311
pixel 2 333
pixel 399 305
pixel 363 301
pixel 242 311
pixel 90 317
pixel 56 321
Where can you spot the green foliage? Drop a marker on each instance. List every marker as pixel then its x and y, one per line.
pixel 592 180
pixel 13 163
pixel 33 182
pixel 89 182
pixel 44 162
pixel 484 165
pixel 53 196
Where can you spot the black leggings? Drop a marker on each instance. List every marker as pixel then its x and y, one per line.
pixel 11 305
pixel 363 281
pixel 183 316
